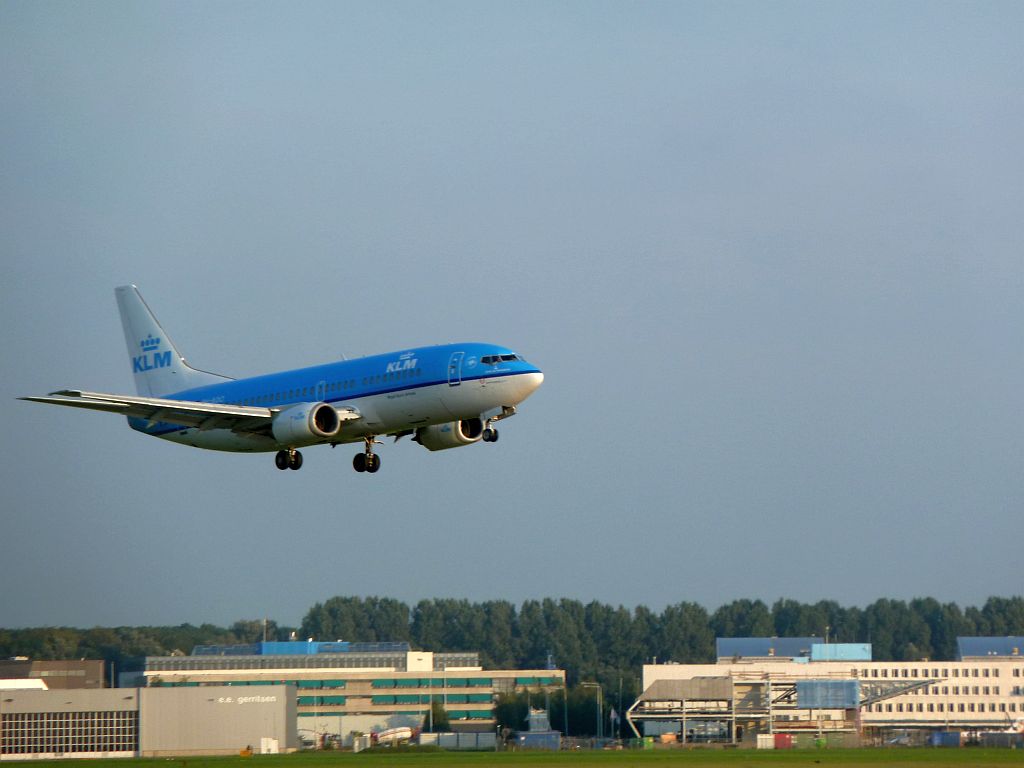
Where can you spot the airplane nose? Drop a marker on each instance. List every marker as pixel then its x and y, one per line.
pixel 533 380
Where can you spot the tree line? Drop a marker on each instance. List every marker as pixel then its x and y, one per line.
pixel 592 641
pixel 608 644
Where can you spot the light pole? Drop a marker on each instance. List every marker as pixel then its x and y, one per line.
pixel 600 702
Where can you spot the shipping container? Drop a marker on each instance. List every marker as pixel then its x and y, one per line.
pixel 765 741
pixel 944 739
pixel 783 741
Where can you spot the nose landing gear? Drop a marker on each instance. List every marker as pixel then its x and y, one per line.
pixel 490 434
pixel 290 459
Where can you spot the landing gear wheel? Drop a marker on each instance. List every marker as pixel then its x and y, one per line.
pixel 367 461
pixel 295 460
pixel 490 435
pixel 282 460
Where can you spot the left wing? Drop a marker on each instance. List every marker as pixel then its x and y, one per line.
pixel 190 413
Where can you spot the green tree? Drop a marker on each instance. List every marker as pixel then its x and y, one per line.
pixel 684 635
pixel 436 721
pixel 1004 616
pixel 498 645
pixel 254 630
pixel 511 709
pixel 743 618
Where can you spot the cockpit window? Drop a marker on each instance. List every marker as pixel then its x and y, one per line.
pixel 493 359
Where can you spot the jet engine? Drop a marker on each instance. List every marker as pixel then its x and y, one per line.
pixel 439 437
pixel 305 424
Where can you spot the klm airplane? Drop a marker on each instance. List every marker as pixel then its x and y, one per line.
pixel 444 397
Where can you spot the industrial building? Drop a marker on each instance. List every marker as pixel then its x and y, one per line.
pixel 341 688
pixel 72 673
pixel 802 685
pixel 140 722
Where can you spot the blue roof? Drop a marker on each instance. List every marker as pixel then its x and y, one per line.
pixel 1011 645
pixel 727 647
pixel 298 648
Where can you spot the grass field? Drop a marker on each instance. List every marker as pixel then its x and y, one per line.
pixel 698 758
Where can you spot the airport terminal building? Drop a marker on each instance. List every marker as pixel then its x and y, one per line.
pixel 343 687
pixel 802 685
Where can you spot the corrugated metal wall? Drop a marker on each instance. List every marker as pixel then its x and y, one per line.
pixel 215 719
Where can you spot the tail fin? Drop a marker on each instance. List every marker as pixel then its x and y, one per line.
pixel 158 367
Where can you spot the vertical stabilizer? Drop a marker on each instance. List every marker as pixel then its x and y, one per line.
pixel 158 367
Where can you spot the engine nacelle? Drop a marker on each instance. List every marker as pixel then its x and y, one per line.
pixel 305 424
pixel 439 437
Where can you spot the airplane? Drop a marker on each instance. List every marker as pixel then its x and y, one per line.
pixel 445 396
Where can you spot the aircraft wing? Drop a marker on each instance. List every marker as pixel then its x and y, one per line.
pixel 189 413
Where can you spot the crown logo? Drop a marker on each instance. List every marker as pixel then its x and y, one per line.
pixel 149 343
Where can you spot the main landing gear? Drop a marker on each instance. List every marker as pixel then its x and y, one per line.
pixel 290 459
pixel 367 461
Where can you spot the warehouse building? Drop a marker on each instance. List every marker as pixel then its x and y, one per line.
pixel 72 673
pixel 801 685
pixel 134 722
pixel 343 688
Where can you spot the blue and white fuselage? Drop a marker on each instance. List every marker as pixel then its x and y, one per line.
pixel 445 396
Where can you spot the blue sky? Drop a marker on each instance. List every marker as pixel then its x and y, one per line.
pixel 768 256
